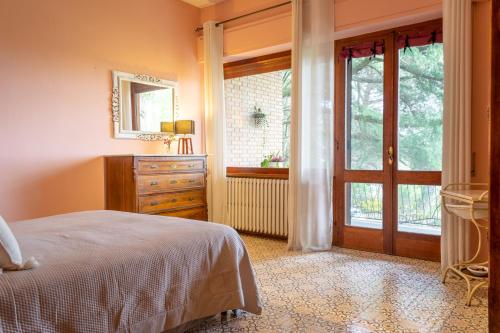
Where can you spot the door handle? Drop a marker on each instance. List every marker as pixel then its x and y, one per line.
pixel 390 154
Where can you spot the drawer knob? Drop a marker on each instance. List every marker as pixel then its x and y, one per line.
pixel 173 200
pixel 191 180
pixel 154 166
pixel 154 203
pixel 191 199
pixel 174 166
pixel 154 183
pixel 191 165
pixel 173 182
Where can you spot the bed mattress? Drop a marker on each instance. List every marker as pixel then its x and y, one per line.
pixel 106 271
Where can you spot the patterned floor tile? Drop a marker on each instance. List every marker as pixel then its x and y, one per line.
pixel 351 291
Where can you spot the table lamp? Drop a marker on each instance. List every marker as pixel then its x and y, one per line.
pixel 167 127
pixel 184 127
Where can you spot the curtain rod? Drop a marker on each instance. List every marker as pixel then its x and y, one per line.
pixel 245 15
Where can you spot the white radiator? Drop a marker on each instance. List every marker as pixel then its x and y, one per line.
pixel 258 205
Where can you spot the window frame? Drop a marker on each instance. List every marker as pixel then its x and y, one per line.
pixel 258 65
pixel 254 66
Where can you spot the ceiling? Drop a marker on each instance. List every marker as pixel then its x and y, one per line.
pixel 202 3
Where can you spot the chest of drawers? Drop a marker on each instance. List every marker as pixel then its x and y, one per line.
pixel 157 184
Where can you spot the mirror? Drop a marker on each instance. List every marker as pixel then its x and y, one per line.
pixel 141 103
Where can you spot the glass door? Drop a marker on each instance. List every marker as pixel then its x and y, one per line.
pixel 418 136
pixel 388 141
pixel 363 132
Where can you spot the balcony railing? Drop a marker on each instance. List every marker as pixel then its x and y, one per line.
pixel 419 207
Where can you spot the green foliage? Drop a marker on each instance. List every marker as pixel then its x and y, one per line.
pixel 365 123
pixel 420 110
pixel 265 162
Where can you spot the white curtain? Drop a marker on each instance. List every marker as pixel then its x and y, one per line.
pixel 457 30
pixel 311 154
pixel 214 120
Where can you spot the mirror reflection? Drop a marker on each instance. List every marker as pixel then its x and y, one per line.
pixel 145 106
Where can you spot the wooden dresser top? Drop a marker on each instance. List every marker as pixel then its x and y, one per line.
pixel 156 155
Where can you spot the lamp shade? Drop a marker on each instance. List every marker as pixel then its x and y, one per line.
pixel 184 127
pixel 167 126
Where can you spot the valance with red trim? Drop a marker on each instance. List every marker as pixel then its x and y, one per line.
pixel 403 41
pixel 367 49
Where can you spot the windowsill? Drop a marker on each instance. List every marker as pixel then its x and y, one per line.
pixel 252 172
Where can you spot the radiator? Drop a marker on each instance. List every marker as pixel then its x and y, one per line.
pixel 258 205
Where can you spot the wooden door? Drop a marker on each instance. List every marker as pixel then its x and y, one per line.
pixel 387 168
pixel 363 182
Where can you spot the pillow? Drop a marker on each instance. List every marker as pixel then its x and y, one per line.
pixel 10 253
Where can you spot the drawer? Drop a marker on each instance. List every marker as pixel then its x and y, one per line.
pixel 145 166
pixel 198 213
pixel 159 202
pixel 164 182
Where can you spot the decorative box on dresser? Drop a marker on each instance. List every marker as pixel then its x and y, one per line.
pixel 172 185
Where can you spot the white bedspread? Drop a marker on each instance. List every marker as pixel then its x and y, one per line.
pixel 105 271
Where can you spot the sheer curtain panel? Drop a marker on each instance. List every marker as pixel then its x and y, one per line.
pixel 214 120
pixel 457 30
pixel 311 153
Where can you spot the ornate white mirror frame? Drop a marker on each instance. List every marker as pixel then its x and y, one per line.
pixel 117 107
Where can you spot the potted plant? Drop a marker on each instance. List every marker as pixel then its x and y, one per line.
pixel 274 160
pixel 259 117
pixel 277 161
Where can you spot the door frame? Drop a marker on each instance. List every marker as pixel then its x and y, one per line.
pixel 388 240
pixel 494 289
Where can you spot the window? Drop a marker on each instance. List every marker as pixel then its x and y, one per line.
pixel 420 105
pixel 364 113
pixel 258 103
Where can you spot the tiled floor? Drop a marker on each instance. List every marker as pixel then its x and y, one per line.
pixel 351 291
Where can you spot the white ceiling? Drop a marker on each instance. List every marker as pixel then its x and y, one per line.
pixel 202 3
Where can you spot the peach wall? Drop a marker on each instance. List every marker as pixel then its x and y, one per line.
pixel 56 59
pixel 252 35
pixel 481 83
pixel 347 12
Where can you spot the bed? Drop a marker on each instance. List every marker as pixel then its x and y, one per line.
pixel 107 271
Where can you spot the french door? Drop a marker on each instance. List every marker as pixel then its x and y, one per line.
pixel 388 141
